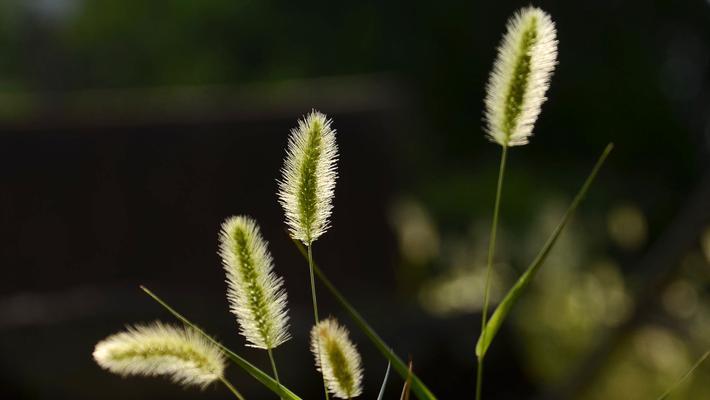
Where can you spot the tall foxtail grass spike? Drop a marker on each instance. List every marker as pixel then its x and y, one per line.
pixel 256 295
pixel 337 359
pixel 308 177
pixel 521 75
pixel 158 349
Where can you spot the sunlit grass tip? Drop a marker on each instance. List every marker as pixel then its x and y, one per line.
pixel 337 359
pixel 256 295
pixel 158 349
pixel 521 75
pixel 307 183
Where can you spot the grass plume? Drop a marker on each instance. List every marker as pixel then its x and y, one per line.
pixel 255 293
pixel 337 359
pixel 159 349
pixel 242 363
pixel 521 75
pixel 308 177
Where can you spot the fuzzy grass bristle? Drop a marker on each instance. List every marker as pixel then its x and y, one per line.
pixel 256 295
pixel 309 173
pixel 337 359
pixel 520 78
pixel 158 349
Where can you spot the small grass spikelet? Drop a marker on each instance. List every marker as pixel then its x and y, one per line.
pixel 159 349
pixel 521 75
pixel 337 359
pixel 308 177
pixel 256 295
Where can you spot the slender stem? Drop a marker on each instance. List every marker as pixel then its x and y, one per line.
pixel 489 266
pixel 313 283
pixel 231 388
pixel 315 310
pixel 273 366
pixel 684 377
pixel 479 378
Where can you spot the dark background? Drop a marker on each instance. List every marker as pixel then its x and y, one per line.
pixel 130 129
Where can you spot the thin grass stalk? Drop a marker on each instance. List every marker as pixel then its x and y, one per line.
pixel 252 370
pixel 489 266
pixel 231 388
pixel 684 377
pixel 315 307
pixel 273 366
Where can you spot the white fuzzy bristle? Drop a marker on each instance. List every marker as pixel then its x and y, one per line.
pixel 307 184
pixel 256 295
pixel 337 359
pixel 158 349
pixel 521 75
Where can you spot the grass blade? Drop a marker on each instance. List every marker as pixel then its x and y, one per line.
pixel 420 390
pixel 384 382
pixel 496 320
pixel 258 374
pixel 684 377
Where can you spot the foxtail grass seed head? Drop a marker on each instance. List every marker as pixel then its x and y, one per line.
pixel 521 75
pixel 337 359
pixel 157 349
pixel 256 295
pixel 308 177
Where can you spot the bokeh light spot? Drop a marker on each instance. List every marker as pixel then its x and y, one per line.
pixel 627 226
pixel 416 232
pixel 680 299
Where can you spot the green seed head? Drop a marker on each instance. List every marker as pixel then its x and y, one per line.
pixel 521 75
pixel 256 295
pixel 307 185
pixel 157 349
pixel 337 358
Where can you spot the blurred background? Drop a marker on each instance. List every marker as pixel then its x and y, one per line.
pixel 130 129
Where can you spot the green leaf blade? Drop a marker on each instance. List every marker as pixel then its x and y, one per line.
pixel 492 327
